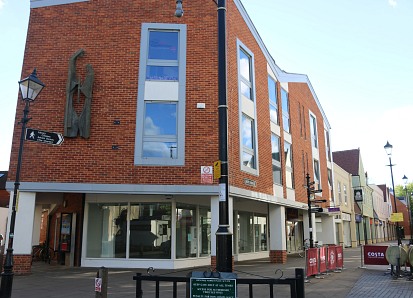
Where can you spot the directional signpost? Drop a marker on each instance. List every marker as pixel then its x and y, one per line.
pixel 51 138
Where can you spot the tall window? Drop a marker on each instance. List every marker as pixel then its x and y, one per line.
pixel 161 95
pixel 272 94
pixel 345 193
pixel 328 152
pixel 248 142
pixel 316 171
pixel 288 165
pixel 313 126
pixel 286 110
pixel 339 192
pixel 245 74
pixel 276 159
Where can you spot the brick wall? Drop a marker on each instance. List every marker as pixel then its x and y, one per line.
pixel 110 32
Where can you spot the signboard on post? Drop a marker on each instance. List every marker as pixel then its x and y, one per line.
pixel 396 217
pixel 206 175
pixel 213 287
pixel 51 138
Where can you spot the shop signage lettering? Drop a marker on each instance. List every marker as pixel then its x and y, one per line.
pixel 375 255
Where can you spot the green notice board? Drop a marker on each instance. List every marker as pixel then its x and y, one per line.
pixel 213 287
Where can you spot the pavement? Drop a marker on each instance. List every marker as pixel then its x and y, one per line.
pixel 353 281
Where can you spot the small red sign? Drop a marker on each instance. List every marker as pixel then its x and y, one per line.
pixel 322 262
pixel 339 256
pixel 312 261
pixel 375 255
pixel 332 261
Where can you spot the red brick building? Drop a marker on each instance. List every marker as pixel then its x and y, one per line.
pixel 134 90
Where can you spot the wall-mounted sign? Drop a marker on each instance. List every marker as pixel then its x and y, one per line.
pixel 396 217
pixel 358 195
pixel 250 182
pixel 206 175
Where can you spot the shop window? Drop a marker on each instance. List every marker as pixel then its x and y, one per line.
pixel 186 231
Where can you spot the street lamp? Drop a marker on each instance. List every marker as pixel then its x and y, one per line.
pixel 30 88
pixel 408 208
pixel 388 147
pixel 224 235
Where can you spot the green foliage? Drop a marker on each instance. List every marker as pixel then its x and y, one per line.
pixel 401 191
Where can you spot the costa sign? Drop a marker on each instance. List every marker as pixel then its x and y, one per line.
pixel 375 255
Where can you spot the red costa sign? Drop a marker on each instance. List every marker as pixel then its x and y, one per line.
pixel 339 256
pixel 375 255
pixel 331 251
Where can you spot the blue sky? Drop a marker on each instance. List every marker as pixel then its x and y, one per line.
pixel 357 54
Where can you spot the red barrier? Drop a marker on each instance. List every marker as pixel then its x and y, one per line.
pixel 339 256
pixel 375 255
pixel 312 261
pixel 331 251
pixel 322 259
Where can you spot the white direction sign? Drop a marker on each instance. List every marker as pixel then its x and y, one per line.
pixel 52 138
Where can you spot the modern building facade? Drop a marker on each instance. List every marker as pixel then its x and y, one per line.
pixel 134 91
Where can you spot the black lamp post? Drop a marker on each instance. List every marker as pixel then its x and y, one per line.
pixel 30 88
pixel 408 207
pixel 388 147
pixel 224 235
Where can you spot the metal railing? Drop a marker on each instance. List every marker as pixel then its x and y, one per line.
pixel 296 284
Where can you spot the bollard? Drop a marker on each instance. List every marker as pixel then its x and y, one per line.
pixel 139 292
pixel 101 283
pixel 299 275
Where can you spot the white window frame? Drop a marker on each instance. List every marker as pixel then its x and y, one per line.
pixel 155 88
pixel 248 109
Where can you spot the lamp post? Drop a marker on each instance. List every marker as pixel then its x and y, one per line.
pixel 224 235
pixel 408 208
pixel 388 147
pixel 30 88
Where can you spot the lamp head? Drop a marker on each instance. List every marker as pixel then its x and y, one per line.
pixel 30 87
pixel 405 179
pixel 179 12
pixel 388 147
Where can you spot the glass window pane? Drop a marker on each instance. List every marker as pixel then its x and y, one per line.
pixel 205 231
pixel 150 231
pixel 276 174
pixel 247 132
pixel 186 231
pixel 275 147
pixel 163 45
pixel 260 233
pixel 160 119
pixel 272 91
pixel 273 114
pixel 106 230
pixel 248 160
pixel 162 73
pixel 284 101
pixel 245 232
pixel 288 154
pixel 245 65
pixel 245 90
pixel 160 149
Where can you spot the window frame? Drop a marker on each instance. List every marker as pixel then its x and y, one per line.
pixel 313 131
pixel 246 149
pixel 289 169
pixel 275 162
pixel 273 104
pixel 179 99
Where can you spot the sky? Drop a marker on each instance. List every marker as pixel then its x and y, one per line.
pixel 358 56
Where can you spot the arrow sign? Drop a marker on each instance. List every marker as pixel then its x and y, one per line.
pixel 316 209
pixel 51 138
pixel 318 201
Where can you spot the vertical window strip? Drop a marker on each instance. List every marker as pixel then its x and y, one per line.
pixel 248 142
pixel 285 110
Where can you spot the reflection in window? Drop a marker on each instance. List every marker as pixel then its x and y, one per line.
pixel 163 45
pixel 288 165
pixel 205 231
pixel 160 149
pixel 285 110
pixel 260 233
pixel 162 73
pixel 248 142
pixel 245 232
pixel 245 68
pixel 160 118
pixel 272 94
pixel 150 231
pixel 106 230
pixel 276 159
pixel 186 231
pixel 313 126
pixel 148 226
